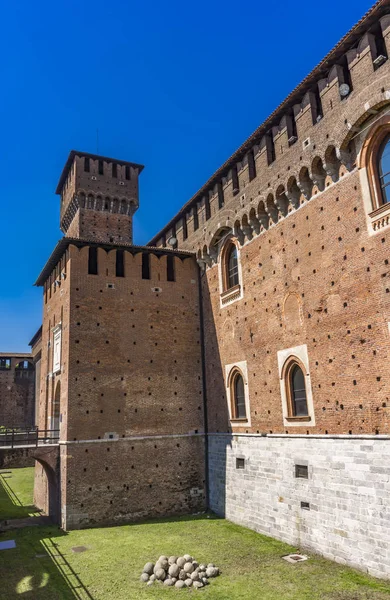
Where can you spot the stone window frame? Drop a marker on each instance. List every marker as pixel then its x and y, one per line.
pixel 57 348
pixel 230 373
pixel 287 358
pixel 377 211
pixel 229 295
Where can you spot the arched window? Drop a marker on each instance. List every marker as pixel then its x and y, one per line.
pixel 237 395
pixel 384 170
pixel 231 267
pixel 297 391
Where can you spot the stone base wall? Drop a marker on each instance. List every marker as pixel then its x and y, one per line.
pixel 348 491
pixel 115 481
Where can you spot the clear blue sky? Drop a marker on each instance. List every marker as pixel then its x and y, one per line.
pixel 176 86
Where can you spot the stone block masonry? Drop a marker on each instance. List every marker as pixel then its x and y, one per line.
pixel 340 511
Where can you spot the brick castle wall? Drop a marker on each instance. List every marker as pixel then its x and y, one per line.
pixel 17 394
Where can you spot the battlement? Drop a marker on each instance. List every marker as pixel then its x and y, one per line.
pixel 114 262
pixel 99 196
pixel 309 138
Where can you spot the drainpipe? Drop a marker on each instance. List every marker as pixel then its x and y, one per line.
pixel 203 363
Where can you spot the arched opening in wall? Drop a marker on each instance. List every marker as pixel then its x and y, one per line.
pixel 281 200
pixel 293 192
pixel 318 173
pixel 55 412
pixel 271 209
pixel 332 164
pixel 237 395
pixel 47 490
pixel 295 383
pixel 262 215
pixel 229 265
pixel 305 183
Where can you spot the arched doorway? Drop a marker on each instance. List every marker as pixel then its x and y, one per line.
pixel 47 489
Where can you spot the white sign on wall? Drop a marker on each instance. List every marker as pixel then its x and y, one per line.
pixel 57 349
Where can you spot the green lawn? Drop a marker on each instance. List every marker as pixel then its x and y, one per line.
pixel 44 567
pixel 16 494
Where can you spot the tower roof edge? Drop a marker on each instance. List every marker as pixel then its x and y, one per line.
pixel 74 153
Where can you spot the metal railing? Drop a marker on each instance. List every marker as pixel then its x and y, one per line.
pixel 27 436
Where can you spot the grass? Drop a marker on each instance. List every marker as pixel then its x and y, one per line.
pixel 44 567
pixel 16 494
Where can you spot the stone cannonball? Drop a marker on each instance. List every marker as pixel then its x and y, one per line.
pixel 160 574
pixel 194 576
pixel 202 567
pixel 152 577
pixel 188 557
pixel 188 582
pixel 197 584
pixel 148 568
pixel 182 575
pixel 168 582
pixel 172 560
pixel 144 577
pixel 202 574
pixel 188 567
pixel 162 558
pixel 180 584
pixel 181 561
pixel 174 570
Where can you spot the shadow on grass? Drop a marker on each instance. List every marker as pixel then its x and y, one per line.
pixel 37 569
pixel 11 507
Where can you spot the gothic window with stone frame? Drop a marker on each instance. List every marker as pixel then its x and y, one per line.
pixel 296 390
pixel 237 395
pixel 383 166
pixel 230 273
pixel 374 167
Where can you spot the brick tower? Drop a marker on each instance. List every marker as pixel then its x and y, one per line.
pixel 99 196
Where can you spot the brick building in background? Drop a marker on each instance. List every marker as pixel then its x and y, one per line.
pixel 266 299
pixel 17 390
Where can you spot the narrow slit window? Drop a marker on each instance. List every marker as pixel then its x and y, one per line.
pixel 120 263
pixel 127 172
pixel 221 198
pixel 101 168
pixel 207 207
pixel 145 265
pixel 185 230
pixel 170 268
pixel 86 164
pixel 251 165
pixel 114 170
pixel 92 261
pixel 196 218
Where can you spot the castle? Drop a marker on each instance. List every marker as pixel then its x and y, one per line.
pixel 239 361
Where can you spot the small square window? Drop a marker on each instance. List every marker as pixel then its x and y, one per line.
pixel 305 505
pixel 301 471
pixel 240 463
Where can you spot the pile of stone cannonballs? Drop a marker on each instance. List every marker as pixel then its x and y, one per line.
pixel 180 572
